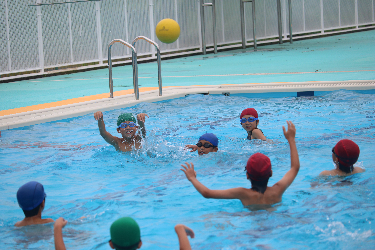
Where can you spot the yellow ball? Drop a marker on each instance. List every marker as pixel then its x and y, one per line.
pixel 167 30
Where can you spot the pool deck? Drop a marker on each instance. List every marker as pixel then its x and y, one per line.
pixel 81 106
pixel 341 62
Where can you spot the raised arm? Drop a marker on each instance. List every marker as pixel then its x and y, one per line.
pixel 289 177
pixel 232 193
pixel 57 228
pixel 103 132
pixel 141 121
pixel 183 232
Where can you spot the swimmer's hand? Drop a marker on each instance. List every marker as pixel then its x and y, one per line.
pixel 188 231
pixel 60 223
pixel 142 117
pixel 189 171
pixel 98 115
pixel 291 133
pixel 58 237
pixel 182 232
pixel 192 147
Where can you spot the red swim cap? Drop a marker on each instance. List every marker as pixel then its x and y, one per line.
pixel 259 167
pixel 250 111
pixel 347 152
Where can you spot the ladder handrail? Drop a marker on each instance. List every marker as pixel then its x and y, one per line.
pixel 135 67
pixel 242 14
pixel 279 22
pixel 203 28
pixel 135 73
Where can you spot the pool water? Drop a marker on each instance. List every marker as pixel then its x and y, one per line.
pixel 90 184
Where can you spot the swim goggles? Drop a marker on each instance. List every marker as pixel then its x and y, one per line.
pixel 125 125
pixel 206 145
pixel 333 151
pixel 250 119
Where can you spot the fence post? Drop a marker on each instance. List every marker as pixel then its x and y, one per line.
pixel 339 2
pixel 8 38
pixel 303 15
pixel 99 32
pixel 356 13
pixel 70 33
pixel 203 28
pixel 283 5
pixel 279 22
pixel 322 16
pixel 152 25
pixel 176 17
pixel 199 24
pixel 40 37
pixel 126 25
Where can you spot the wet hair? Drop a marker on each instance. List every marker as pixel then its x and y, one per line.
pixel 32 212
pixel 346 169
pixel 259 186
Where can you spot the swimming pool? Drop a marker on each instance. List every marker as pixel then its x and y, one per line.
pixel 90 184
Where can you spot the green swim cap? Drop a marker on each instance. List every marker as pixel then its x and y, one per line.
pixel 125 233
pixel 125 117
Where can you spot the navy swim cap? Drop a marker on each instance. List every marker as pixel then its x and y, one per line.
pixel 30 195
pixel 211 138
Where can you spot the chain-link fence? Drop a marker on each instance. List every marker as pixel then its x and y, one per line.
pixel 35 38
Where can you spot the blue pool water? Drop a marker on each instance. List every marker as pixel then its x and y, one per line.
pixel 90 184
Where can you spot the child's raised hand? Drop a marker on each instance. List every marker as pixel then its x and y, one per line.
pixel 291 133
pixel 98 115
pixel 189 171
pixel 60 223
pixel 142 117
pixel 192 147
pixel 188 230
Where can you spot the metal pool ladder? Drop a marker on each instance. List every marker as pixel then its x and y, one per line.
pixel 134 63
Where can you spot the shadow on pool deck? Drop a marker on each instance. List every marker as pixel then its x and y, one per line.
pixel 335 58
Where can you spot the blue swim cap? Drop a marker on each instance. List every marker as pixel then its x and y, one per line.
pixel 211 138
pixel 30 195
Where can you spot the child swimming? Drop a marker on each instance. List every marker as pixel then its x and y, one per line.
pixel 258 171
pixel 344 154
pixel 32 199
pixel 207 143
pixel 125 234
pixel 127 127
pixel 249 121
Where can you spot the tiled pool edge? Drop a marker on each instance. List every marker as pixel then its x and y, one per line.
pixel 83 108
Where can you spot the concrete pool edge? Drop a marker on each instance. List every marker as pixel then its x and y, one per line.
pixel 121 101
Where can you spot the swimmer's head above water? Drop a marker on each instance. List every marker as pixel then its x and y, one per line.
pixel 345 153
pixel 207 143
pixel 249 121
pixel 127 125
pixel 258 171
pixel 125 234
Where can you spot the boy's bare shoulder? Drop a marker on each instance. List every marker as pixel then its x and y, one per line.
pixel 327 172
pixel 335 172
pixel 358 170
pixel 252 197
pixel 23 223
